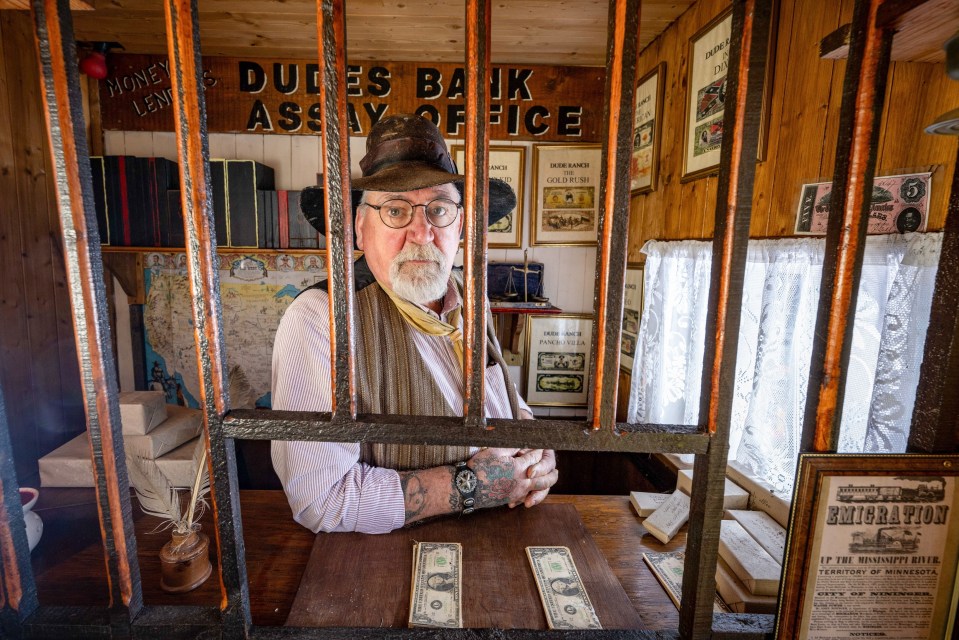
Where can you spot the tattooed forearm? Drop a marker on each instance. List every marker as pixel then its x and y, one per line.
pixel 496 482
pixel 414 493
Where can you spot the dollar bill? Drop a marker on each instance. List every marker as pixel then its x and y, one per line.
pixel 668 569
pixel 435 596
pixel 561 589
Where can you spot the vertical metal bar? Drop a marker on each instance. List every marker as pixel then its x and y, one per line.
pixel 476 201
pixel 935 418
pixel 749 46
pixel 189 111
pixel 338 206
pixel 53 26
pixel 864 91
pixel 622 54
pixel 18 591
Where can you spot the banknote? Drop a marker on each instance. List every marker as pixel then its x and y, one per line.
pixel 561 589
pixel 435 596
pixel 668 569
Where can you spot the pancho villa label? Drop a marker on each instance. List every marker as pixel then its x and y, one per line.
pixel 527 102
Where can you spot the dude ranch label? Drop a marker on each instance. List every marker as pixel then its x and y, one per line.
pixel 528 102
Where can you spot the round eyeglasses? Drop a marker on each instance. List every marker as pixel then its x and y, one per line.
pixel 398 213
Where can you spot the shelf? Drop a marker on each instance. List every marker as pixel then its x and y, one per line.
pixel 921 30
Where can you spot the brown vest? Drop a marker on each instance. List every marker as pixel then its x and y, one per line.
pixel 392 378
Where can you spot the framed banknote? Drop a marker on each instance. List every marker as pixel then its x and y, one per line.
pixel 508 164
pixel 647 128
pixel 632 310
pixel 872 549
pixel 565 194
pixel 557 359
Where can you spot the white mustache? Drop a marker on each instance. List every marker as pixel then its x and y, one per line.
pixel 419 252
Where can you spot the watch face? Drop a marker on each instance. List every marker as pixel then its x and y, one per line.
pixel 466 481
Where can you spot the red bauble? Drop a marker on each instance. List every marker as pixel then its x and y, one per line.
pixel 94 65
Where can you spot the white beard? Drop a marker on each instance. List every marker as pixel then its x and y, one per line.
pixel 420 283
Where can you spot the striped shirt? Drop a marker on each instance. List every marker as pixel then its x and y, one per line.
pixel 328 488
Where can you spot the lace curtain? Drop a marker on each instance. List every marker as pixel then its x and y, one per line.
pixel 780 297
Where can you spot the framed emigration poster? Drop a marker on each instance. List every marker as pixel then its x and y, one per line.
pixel 509 165
pixel 647 128
pixel 632 310
pixel 565 194
pixel 706 95
pixel 872 549
pixel 557 359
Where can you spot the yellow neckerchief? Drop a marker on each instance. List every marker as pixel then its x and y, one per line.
pixel 421 320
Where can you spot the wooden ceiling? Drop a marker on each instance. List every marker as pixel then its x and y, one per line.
pixel 556 32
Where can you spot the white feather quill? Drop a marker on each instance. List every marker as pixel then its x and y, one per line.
pixel 156 495
pixel 159 498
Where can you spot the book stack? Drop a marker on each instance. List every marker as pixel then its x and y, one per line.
pixel 151 429
pixel 137 202
pixel 130 199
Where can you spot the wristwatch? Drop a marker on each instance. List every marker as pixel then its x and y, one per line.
pixel 464 481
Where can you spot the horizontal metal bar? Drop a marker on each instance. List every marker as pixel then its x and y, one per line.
pixel 334 633
pixel 563 435
pixel 168 623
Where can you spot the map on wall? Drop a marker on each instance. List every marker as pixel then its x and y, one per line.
pixel 255 290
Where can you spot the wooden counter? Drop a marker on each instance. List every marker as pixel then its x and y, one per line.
pixel 69 560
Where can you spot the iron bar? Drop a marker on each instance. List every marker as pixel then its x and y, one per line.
pixel 189 111
pixel 476 203
pixel 935 418
pixel 18 590
pixel 337 205
pixel 558 434
pixel 622 54
pixel 751 22
pixel 53 29
pixel 864 90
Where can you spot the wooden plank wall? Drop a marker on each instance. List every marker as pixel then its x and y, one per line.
pixel 803 121
pixel 38 363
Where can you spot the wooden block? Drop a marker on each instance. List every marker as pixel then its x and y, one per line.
pixel 182 426
pixel 645 503
pixel 735 594
pixel 69 465
pixel 734 496
pixel 669 518
pixel 767 532
pixel 680 460
pixel 177 464
pixel 762 496
pixel 141 411
pixel 749 561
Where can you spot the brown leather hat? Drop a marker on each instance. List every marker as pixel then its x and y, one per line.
pixel 406 152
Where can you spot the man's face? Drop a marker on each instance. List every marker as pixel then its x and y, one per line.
pixel 415 261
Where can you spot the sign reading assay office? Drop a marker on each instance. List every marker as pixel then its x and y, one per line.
pixel 527 102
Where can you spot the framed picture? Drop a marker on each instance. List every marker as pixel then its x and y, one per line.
pixel 557 359
pixel 647 128
pixel 509 165
pixel 632 311
pixel 706 96
pixel 872 547
pixel 565 194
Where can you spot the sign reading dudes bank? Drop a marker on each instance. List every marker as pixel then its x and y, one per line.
pixel 529 102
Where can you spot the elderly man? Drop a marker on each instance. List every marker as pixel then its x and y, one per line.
pixel 409 355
